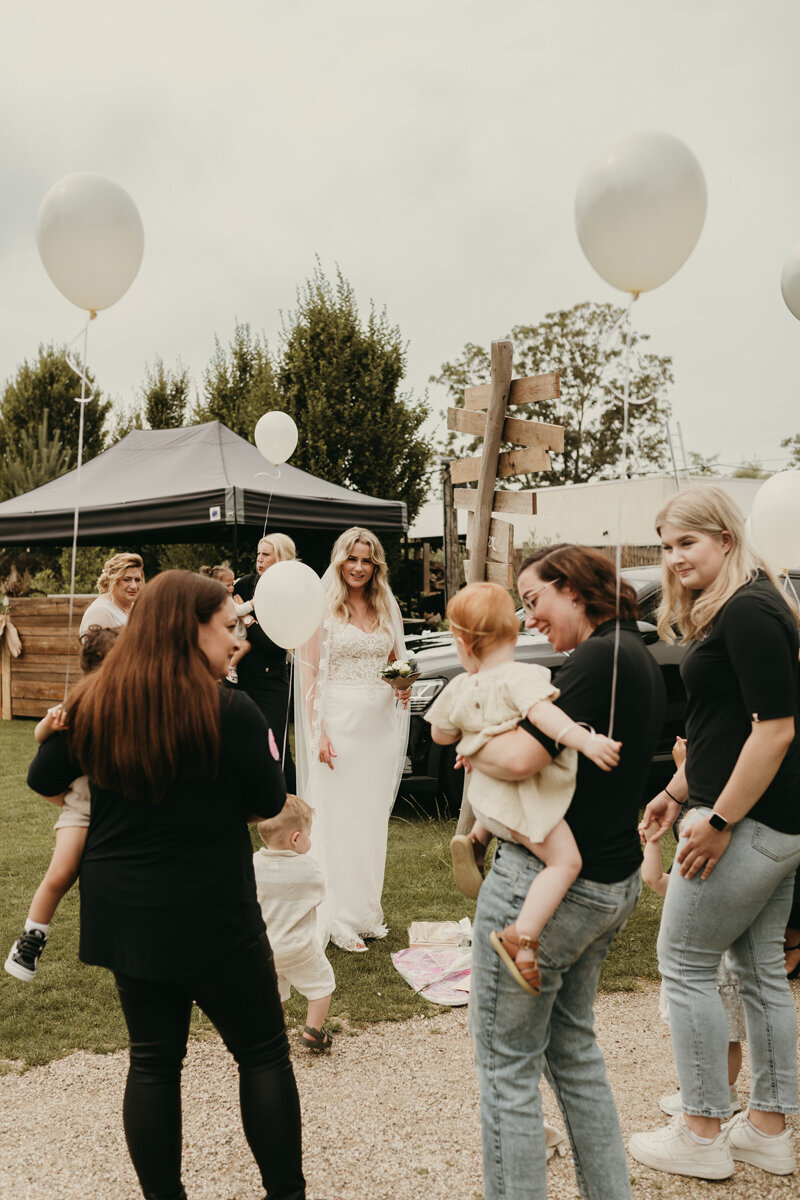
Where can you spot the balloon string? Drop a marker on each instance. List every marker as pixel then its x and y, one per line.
pixel 83 401
pixel 288 705
pixel 274 479
pixel 625 330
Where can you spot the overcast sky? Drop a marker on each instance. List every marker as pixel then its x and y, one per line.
pixel 431 149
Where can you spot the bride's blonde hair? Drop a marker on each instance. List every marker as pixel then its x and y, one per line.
pixel 376 592
pixel 709 510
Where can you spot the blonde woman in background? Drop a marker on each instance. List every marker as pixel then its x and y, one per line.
pixel 120 582
pixel 352 733
pixel 263 673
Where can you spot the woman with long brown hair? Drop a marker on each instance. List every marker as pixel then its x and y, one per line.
pixel 168 899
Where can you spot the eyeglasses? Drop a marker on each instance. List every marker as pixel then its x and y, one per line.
pixel 529 601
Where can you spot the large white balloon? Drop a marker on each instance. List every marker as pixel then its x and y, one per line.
pixel 90 238
pixel 775 520
pixel 289 603
pixel 790 281
pixel 640 208
pixel 276 436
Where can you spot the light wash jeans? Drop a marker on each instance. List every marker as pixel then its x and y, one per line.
pixel 516 1036
pixel 743 905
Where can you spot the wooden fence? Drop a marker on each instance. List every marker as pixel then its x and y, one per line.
pixel 35 680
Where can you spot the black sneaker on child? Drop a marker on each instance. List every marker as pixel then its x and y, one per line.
pixel 24 955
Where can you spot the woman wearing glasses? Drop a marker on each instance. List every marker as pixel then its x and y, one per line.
pixel 570 594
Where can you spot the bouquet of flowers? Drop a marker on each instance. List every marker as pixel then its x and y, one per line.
pixel 401 673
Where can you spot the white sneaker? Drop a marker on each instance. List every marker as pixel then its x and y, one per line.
pixel 747 1144
pixel 674 1149
pixel 673 1105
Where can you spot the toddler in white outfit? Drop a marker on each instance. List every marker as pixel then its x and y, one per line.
pixel 290 888
pixel 492 698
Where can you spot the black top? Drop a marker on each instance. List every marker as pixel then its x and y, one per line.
pixel 265 664
pixel 745 668
pixel 167 889
pixel 605 807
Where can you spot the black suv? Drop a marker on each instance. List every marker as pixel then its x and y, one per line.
pixel 431 769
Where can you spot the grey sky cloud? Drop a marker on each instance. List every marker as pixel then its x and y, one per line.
pixel 432 151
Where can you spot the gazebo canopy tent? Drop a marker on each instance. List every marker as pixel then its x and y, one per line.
pixel 199 484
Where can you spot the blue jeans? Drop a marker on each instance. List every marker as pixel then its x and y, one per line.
pixel 743 905
pixel 516 1036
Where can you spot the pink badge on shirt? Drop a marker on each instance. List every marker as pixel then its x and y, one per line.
pixel 273 746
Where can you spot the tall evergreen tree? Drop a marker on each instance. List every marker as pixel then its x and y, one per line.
pixel 49 383
pixel 37 458
pixel 238 385
pixel 339 378
pixel 165 396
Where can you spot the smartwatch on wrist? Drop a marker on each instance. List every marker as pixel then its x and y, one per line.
pixel 718 822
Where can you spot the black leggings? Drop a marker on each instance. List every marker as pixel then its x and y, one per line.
pixel 240 997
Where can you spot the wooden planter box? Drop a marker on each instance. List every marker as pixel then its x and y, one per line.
pixel 35 680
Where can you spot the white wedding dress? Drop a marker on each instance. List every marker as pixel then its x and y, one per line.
pixel 359 713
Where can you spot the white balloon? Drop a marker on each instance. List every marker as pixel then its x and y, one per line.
pixel 90 238
pixel 289 603
pixel 276 436
pixel 639 209
pixel 790 281
pixel 775 520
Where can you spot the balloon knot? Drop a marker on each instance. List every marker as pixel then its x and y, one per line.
pixel 92 314
pixel 636 295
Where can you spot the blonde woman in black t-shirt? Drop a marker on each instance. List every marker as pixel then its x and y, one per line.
pixel 732 883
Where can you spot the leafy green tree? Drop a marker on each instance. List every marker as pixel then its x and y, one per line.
pixel 792 444
pixel 750 469
pixel 238 385
pixel 339 378
pixel 699 464
pixel 36 459
pixel 574 342
pixel 48 382
pixel 165 396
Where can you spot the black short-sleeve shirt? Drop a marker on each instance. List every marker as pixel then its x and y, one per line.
pixel 745 669
pixel 605 807
pixel 167 889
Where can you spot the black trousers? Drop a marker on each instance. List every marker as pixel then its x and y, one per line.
pixel 240 997
pixel 272 697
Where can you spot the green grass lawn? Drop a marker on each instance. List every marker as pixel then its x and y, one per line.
pixel 70 1006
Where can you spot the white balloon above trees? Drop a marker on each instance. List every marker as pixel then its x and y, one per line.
pixel 276 437
pixel 790 281
pixel 639 210
pixel 289 603
pixel 775 520
pixel 90 238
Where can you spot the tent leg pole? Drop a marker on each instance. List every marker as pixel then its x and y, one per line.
pixel 235 550
pixel 407 574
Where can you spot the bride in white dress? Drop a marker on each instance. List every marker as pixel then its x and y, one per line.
pixel 351 732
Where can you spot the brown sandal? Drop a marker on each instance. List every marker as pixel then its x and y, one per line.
pixel 466 872
pixel 319 1041
pixel 527 974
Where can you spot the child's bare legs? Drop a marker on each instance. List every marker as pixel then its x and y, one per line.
pixel 60 875
pixel 559 852
pixel 316 1014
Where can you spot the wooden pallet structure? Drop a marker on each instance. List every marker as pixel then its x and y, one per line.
pixel 490 541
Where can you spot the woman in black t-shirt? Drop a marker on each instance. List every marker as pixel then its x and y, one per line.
pixel 733 888
pixel 570 594
pixel 168 897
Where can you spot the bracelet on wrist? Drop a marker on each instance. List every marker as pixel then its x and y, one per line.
pixel 674 799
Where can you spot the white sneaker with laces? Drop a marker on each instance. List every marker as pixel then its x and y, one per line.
pixel 674 1149
pixel 673 1105
pixel 749 1145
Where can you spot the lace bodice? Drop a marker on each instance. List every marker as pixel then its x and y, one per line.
pixel 355 656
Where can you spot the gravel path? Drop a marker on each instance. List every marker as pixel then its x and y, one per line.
pixel 390 1114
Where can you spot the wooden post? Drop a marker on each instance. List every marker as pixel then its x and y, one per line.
pixel 502 355
pixel 452 558
pixel 5 681
pixel 426 568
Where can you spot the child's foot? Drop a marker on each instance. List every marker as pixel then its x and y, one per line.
pixel 316 1040
pixel 520 956
pixel 233 675
pixel 466 872
pixel 23 956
